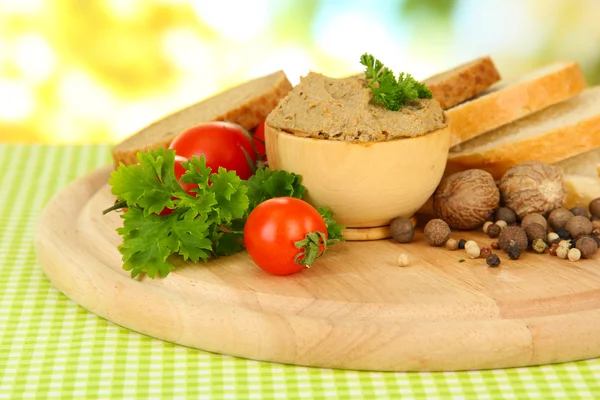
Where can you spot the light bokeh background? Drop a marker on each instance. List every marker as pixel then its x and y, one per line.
pixel 93 71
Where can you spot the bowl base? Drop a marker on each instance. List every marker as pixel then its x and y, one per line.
pixel 375 233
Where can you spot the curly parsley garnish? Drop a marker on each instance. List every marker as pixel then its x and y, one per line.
pixel 391 92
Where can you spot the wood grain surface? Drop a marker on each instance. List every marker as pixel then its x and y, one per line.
pixel 354 309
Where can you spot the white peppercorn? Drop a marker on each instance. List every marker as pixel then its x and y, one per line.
pixel 552 236
pixel 562 252
pixel 402 260
pixel 486 226
pixel 502 224
pixel 473 250
pixel 574 254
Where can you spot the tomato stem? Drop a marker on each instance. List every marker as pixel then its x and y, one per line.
pixel 311 244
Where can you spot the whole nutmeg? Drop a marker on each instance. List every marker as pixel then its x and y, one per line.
pixel 534 218
pixel 505 214
pixel 466 199
pixel 579 226
pixel 533 187
pixel 535 231
pixel 580 211
pixel 559 217
pixel 437 232
pixel 595 208
pixel 402 230
pixel 587 246
pixel 515 234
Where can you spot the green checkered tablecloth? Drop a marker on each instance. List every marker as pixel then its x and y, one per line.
pixel 52 348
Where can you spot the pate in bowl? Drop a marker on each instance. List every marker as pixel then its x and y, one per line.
pixel 368 164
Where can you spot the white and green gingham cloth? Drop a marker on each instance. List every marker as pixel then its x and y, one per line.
pixel 52 348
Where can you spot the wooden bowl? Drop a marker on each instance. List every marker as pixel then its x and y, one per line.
pixel 366 185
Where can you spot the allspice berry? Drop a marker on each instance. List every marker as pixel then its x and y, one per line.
pixel 513 250
pixel 580 211
pixel 535 231
pixel 515 234
pixel 493 260
pixel 587 246
pixel 559 217
pixel 437 232
pixel 402 230
pixel 595 207
pixel 505 214
pixel 452 244
pixel 579 226
pixel 534 217
pixel 493 231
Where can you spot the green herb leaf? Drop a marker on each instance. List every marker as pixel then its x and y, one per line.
pixel 266 184
pixel 334 230
pixel 201 226
pixel 391 92
pixel 150 184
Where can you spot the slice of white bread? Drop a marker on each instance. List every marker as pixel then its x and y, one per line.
pixel 246 104
pixel 463 82
pixel 581 190
pixel 551 135
pixel 582 164
pixel 509 100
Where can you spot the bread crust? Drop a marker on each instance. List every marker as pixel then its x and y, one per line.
pixel 247 113
pixel 551 147
pixel 505 102
pixel 463 82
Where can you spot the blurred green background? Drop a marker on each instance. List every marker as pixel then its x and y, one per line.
pixel 91 71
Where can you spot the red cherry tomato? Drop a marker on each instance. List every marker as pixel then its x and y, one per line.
pixel 223 144
pixel 272 229
pixel 259 140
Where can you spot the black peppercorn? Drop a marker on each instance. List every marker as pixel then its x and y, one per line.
pixel 563 233
pixel 513 250
pixel 493 260
pixel 461 243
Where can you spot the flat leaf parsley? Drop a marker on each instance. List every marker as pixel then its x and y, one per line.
pixel 391 92
pixel 205 224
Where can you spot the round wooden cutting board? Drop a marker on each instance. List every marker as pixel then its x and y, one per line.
pixel 355 309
